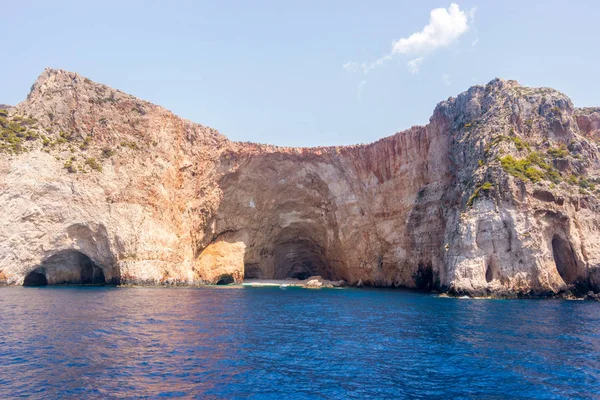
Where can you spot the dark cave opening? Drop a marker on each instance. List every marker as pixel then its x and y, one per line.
pixel 91 274
pixel 36 278
pixel 424 278
pixel 302 275
pixel 67 267
pixel 299 256
pixel 491 272
pixel 252 271
pixel 564 258
pixel 225 279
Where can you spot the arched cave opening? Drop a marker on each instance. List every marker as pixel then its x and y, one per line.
pixel 252 271
pixel 424 278
pixel 564 258
pixel 36 277
pixel 69 267
pixel 491 272
pixel 91 274
pixel 299 256
pixel 225 279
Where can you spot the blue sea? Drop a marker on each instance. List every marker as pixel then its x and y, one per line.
pixel 269 343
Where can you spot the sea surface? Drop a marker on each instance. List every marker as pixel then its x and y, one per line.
pixel 270 343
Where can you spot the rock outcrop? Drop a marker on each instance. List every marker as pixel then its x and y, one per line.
pixel 496 195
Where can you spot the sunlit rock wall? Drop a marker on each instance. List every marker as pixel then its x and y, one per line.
pixel 496 195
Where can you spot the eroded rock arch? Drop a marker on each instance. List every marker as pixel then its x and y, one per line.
pixel 66 267
pixel 37 277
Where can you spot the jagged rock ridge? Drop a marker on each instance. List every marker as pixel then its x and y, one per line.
pixel 495 195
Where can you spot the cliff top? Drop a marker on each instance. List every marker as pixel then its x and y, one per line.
pixel 73 117
pixel 56 82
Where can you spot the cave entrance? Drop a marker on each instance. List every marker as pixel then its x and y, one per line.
pixel 68 267
pixel 225 279
pixel 491 272
pixel 299 258
pixel 564 258
pixel 91 274
pixel 36 277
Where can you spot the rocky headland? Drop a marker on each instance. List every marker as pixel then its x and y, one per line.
pixel 496 195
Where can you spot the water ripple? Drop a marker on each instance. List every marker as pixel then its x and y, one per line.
pixel 99 343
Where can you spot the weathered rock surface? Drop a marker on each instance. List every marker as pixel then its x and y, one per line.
pixel 496 195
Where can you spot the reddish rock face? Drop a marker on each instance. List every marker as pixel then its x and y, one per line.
pixel 495 195
pixel 588 120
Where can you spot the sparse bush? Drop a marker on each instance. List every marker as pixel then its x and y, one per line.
pixel 485 187
pixel 107 152
pixel 558 152
pixel 532 168
pixel 86 143
pixel 70 166
pixel 534 174
pixel 584 183
pixel 93 164
pixel 519 144
pixel 66 137
pixel 31 135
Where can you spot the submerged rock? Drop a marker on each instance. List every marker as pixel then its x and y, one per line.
pixel 313 283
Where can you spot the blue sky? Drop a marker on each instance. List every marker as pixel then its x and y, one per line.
pixel 303 73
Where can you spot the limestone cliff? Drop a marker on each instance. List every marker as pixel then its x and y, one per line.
pixel 495 195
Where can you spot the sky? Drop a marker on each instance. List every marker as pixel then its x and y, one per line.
pixel 303 73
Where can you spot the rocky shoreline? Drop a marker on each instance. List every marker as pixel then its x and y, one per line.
pixel 498 195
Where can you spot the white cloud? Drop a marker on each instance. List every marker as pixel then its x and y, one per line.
pixel 476 39
pixel 361 86
pixel 414 65
pixel 446 26
pixel 351 66
pixel 446 79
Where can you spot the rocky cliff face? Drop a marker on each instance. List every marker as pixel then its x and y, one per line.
pixel 495 195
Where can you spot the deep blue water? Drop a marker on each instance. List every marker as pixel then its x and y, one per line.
pixel 90 342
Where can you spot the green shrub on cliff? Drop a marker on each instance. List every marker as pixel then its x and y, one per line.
pixel 534 174
pixel 477 192
pixel 558 152
pixel 532 168
pixel 13 133
pixel 66 137
pixel 93 164
pixel 486 186
pixel 585 184
pixel 86 143
pixel 519 143
pixel 107 152
pixel 69 165
pixel 514 167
